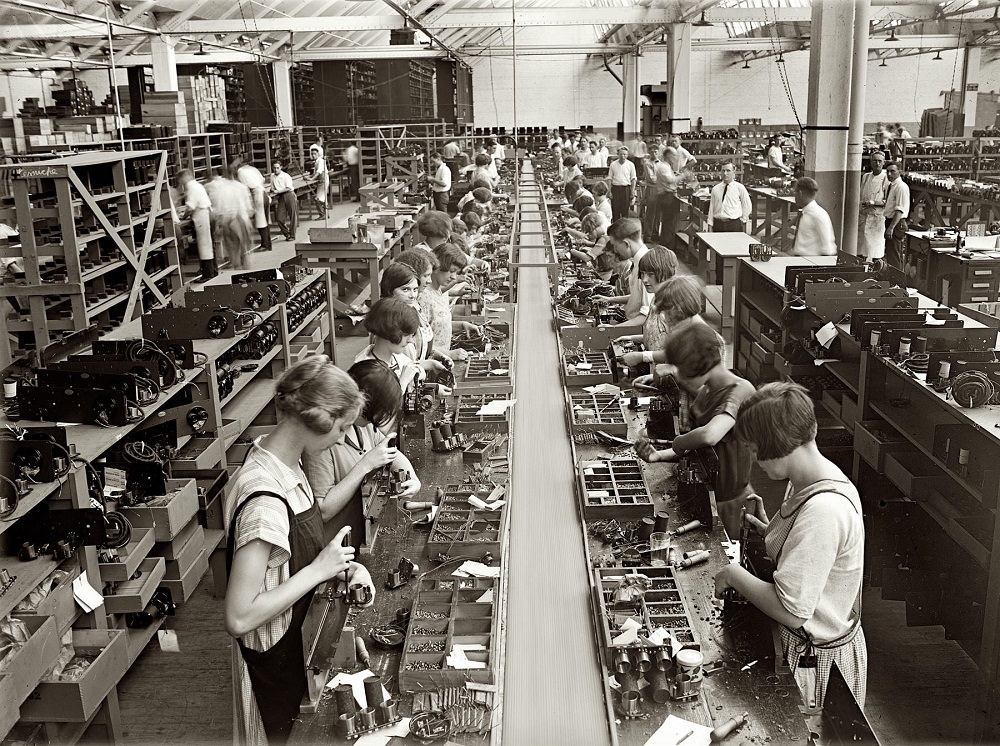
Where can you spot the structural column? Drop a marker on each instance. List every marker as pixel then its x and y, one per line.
pixel 283 106
pixel 859 77
pixel 970 87
pixel 828 112
pixel 164 64
pixel 679 75
pixel 631 121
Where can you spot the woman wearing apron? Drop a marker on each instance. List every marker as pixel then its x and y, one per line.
pixel 275 551
pixel 816 541
pixel 401 281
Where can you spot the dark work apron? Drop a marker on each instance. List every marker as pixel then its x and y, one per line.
pixel 277 675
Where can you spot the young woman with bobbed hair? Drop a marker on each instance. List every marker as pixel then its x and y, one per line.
pixel 276 550
pixel 400 281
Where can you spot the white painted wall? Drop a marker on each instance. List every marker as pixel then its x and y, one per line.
pixel 17 85
pixel 574 90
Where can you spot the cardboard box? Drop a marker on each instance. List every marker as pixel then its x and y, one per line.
pixel 169 515
pixel 77 701
pixel 27 666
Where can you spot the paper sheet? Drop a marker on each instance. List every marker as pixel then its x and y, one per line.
pixel 383 736
pixel 584 366
pixel 674 729
pixel 603 388
pixel 471 568
pixel 826 334
pixel 496 407
pixel 85 594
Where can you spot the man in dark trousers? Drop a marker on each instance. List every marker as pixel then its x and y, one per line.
pixel 896 210
pixel 623 180
pixel 729 208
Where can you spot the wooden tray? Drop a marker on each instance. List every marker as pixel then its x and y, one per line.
pixel 614 488
pixel 604 412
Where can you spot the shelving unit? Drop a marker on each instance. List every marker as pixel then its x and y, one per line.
pixel 100 249
pixel 711 153
pixel 204 153
pixel 945 157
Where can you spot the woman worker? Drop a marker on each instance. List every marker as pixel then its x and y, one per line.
pixel 816 540
pixel 276 551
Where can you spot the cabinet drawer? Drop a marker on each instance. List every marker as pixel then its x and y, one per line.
pixel 133 595
pixel 169 514
pixel 76 701
pixel 131 556
pixel 27 666
pixel 913 473
pixel 873 439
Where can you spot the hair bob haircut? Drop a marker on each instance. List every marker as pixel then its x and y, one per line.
pixel 599 189
pixel 396 275
pixel 317 393
pixel 458 226
pixel 590 210
pixel 583 200
pixel 472 221
pixel 571 189
pixel 434 224
pixel 694 349
pixel 418 260
pixel 381 390
pixel 679 297
pixel 592 221
pixel 660 262
pixel 481 183
pixel 483 195
pixel 776 419
pixel 570 161
pixel 392 319
pixel 449 255
pixel 482 159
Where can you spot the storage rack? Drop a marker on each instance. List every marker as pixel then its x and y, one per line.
pixel 591 411
pixel 377 142
pixel 711 153
pixel 945 157
pixel 98 244
pixel 204 153
pixel 614 488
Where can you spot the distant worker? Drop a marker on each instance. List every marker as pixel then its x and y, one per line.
pixel 729 207
pixel 871 221
pixel 253 180
pixel 896 211
pixel 286 202
pixel 815 236
pixel 352 162
pixel 199 207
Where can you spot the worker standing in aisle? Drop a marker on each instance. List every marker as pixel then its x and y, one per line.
pixel 625 241
pixel 320 177
pixel 287 203
pixel 623 181
pixel 253 180
pixel 440 182
pixel 275 549
pixel 352 162
pixel 199 207
pixel 232 208
pixel 814 235
pixel 895 212
pixel 871 222
pixel 729 206
pixel 818 539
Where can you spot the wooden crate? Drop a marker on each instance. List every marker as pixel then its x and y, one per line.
pixel 468 420
pixel 184 587
pixel 445 612
pixel 77 701
pixel 133 595
pixel 663 605
pixel 604 412
pixel 59 603
pixel 27 666
pixel 614 488
pixel 479 376
pixel 462 529
pixel 169 514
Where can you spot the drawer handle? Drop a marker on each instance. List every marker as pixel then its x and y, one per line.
pixel 979 299
pixel 980 285
pixel 982 272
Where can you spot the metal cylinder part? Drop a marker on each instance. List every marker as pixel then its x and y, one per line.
pixel 919 344
pixel 446 430
pixel 630 703
pixel 4 577
pixel 359 593
pixel 658 690
pixel 344 697
pixel 388 711
pixel 6 504
pixel 402 616
pixel 944 371
pixel 28 551
pixel 621 661
pixel 63 550
pixel 661 519
pixel 663 659
pixel 373 691
pixel 345 725
pixel 394 578
pixel 646 528
pixel 641 659
pixel 366 718
pixel 437 441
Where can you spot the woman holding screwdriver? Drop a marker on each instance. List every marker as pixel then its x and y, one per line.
pixel 816 541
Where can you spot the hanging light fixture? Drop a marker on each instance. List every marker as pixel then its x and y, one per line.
pixel 746 64
pixel 781 58
pixel 702 22
pixel 891 38
pixel 201 51
pixel 883 63
pixel 937 56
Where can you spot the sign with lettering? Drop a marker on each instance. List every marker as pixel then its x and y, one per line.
pixel 40 171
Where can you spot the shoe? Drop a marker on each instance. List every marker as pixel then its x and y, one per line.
pixel 208 271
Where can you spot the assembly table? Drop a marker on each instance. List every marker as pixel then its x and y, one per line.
pixel 719 254
pixel 775 219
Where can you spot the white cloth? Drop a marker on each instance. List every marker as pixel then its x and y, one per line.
pixel 253 180
pixel 815 236
pixel 871 223
pixel 622 174
pixel 352 156
pixel 443 174
pixel 639 299
pixel 898 198
pixel 195 196
pixel 450 150
pixel 684 157
pixel 281 183
pixel 321 175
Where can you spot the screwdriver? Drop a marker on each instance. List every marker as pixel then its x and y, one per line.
pixel 728 728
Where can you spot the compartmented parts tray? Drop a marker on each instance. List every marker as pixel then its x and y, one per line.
pixel 446 612
pixel 493 373
pixel 468 406
pixel 599 370
pixel 663 605
pixel 614 488
pixel 460 528
pixel 605 412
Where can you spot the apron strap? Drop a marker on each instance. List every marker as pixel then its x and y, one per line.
pixel 231 538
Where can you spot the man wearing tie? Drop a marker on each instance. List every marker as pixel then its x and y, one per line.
pixel 895 212
pixel 729 208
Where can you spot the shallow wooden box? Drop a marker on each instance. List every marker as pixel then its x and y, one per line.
pixel 168 517
pixel 133 595
pixel 27 666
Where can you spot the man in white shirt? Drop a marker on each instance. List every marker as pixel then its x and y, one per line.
pixel 286 203
pixel 775 156
pixel 625 240
pixel 729 207
pixel 253 180
pixel 602 151
pixel 814 236
pixel 440 182
pixel 684 158
pixel 352 160
pixel 623 180
pixel 871 222
pixel 199 207
pixel 593 158
pixel 895 212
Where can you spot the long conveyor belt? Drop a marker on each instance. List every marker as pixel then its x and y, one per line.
pixel 553 693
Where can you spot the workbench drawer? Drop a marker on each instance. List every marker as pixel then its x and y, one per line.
pixel 76 701
pixel 873 439
pixel 59 602
pixel 133 595
pixel 913 473
pixel 26 667
pixel 169 514
pixel 130 555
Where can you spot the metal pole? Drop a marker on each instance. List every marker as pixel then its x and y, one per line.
pixel 856 133
pixel 513 72
pixel 114 76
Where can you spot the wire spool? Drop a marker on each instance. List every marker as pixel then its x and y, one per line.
pixel 918 362
pixel 972 389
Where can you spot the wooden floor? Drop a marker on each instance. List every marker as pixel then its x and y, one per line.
pixel 920 686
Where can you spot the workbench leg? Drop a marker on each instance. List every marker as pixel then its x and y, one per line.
pixel 728 289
